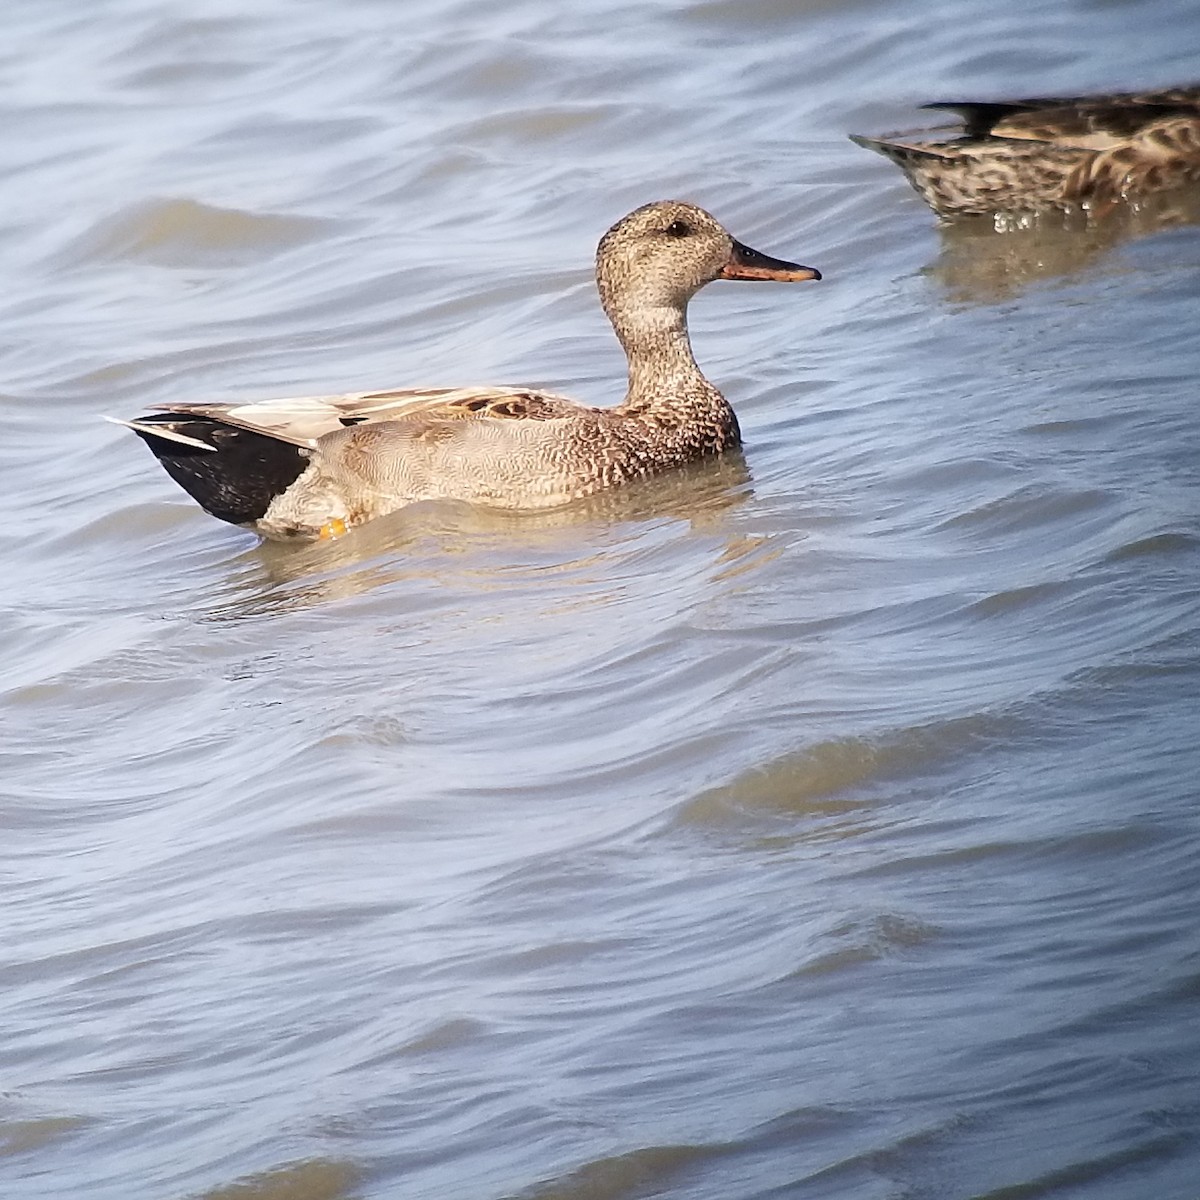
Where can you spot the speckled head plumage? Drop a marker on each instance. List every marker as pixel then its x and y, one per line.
pixel 655 259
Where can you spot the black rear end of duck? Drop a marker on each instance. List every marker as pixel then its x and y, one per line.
pixel 238 478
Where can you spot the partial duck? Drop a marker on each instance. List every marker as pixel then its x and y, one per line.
pixel 317 466
pixel 1066 153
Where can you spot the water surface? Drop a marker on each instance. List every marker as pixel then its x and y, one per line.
pixel 819 823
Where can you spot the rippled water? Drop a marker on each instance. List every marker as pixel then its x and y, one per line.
pixel 820 823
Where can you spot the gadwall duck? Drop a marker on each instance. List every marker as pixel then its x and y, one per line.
pixel 1068 153
pixel 317 466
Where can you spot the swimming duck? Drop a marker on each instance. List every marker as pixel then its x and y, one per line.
pixel 1080 152
pixel 317 466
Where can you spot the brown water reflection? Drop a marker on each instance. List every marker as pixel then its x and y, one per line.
pixel 313 1179
pixel 986 261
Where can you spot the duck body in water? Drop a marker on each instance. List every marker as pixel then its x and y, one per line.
pixel 1086 153
pixel 317 466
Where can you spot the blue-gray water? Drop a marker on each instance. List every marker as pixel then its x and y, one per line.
pixel 820 824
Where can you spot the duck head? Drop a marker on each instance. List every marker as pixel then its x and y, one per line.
pixel 655 260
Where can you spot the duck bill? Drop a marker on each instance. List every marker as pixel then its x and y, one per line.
pixel 745 263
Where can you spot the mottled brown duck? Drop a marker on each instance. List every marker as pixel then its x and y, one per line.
pixel 317 466
pixel 1083 153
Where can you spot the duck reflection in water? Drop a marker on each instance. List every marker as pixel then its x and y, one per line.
pixel 450 545
pixel 978 264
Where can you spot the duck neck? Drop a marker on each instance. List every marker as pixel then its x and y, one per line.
pixel 664 377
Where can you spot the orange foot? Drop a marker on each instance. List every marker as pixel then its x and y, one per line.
pixel 332 529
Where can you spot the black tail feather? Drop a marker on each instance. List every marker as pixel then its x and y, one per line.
pixel 980 116
pixel 240 480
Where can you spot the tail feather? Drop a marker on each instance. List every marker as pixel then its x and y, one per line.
pixel 145 430
pixel 900 151
pixel 231 472
pixel 980 116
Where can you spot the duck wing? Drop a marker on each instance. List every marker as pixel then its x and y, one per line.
pixel 304 420
pixel 1088 122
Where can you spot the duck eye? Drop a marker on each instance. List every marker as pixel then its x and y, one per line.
pixel 678 229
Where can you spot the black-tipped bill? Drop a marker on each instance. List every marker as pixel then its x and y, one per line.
pixel 745 263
